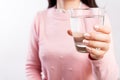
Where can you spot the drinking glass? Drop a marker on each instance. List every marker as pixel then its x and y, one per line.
pixel 82 21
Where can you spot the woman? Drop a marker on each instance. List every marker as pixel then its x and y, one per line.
pixel 52 55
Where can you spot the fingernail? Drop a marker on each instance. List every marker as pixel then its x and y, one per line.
pixel 86 35
pixel 96 27
pixel 86 42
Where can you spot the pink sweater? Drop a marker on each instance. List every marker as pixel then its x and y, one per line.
pixel 52 54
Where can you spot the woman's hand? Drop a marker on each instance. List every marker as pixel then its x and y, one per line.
pixel 97 42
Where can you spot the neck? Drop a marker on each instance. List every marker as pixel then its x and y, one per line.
pixel 68 4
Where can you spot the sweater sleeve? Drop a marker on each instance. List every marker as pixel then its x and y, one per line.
pixel 33 64
pixel 106 68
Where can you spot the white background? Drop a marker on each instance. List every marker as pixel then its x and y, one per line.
pixel 16 17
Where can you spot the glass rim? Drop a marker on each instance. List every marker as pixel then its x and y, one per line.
pixel 78 12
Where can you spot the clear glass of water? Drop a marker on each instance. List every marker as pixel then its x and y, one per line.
pixel 82 21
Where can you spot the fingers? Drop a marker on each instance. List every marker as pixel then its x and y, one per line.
pixel 97 37
pixel 95 53
pixel 96 44
pixel 103 29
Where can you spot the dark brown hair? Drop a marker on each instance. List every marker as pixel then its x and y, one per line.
pixel 89 3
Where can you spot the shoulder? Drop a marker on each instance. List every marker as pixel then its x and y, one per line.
pixel 44 12
pixel 42 15
pixel 40 18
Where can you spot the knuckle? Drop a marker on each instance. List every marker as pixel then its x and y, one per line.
pixel 108 39
pixel 101 54
pixel 92 35
pixel 108 29
pixel 107 47
pixel 91 43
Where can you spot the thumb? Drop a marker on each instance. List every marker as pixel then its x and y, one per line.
pixel 69 32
